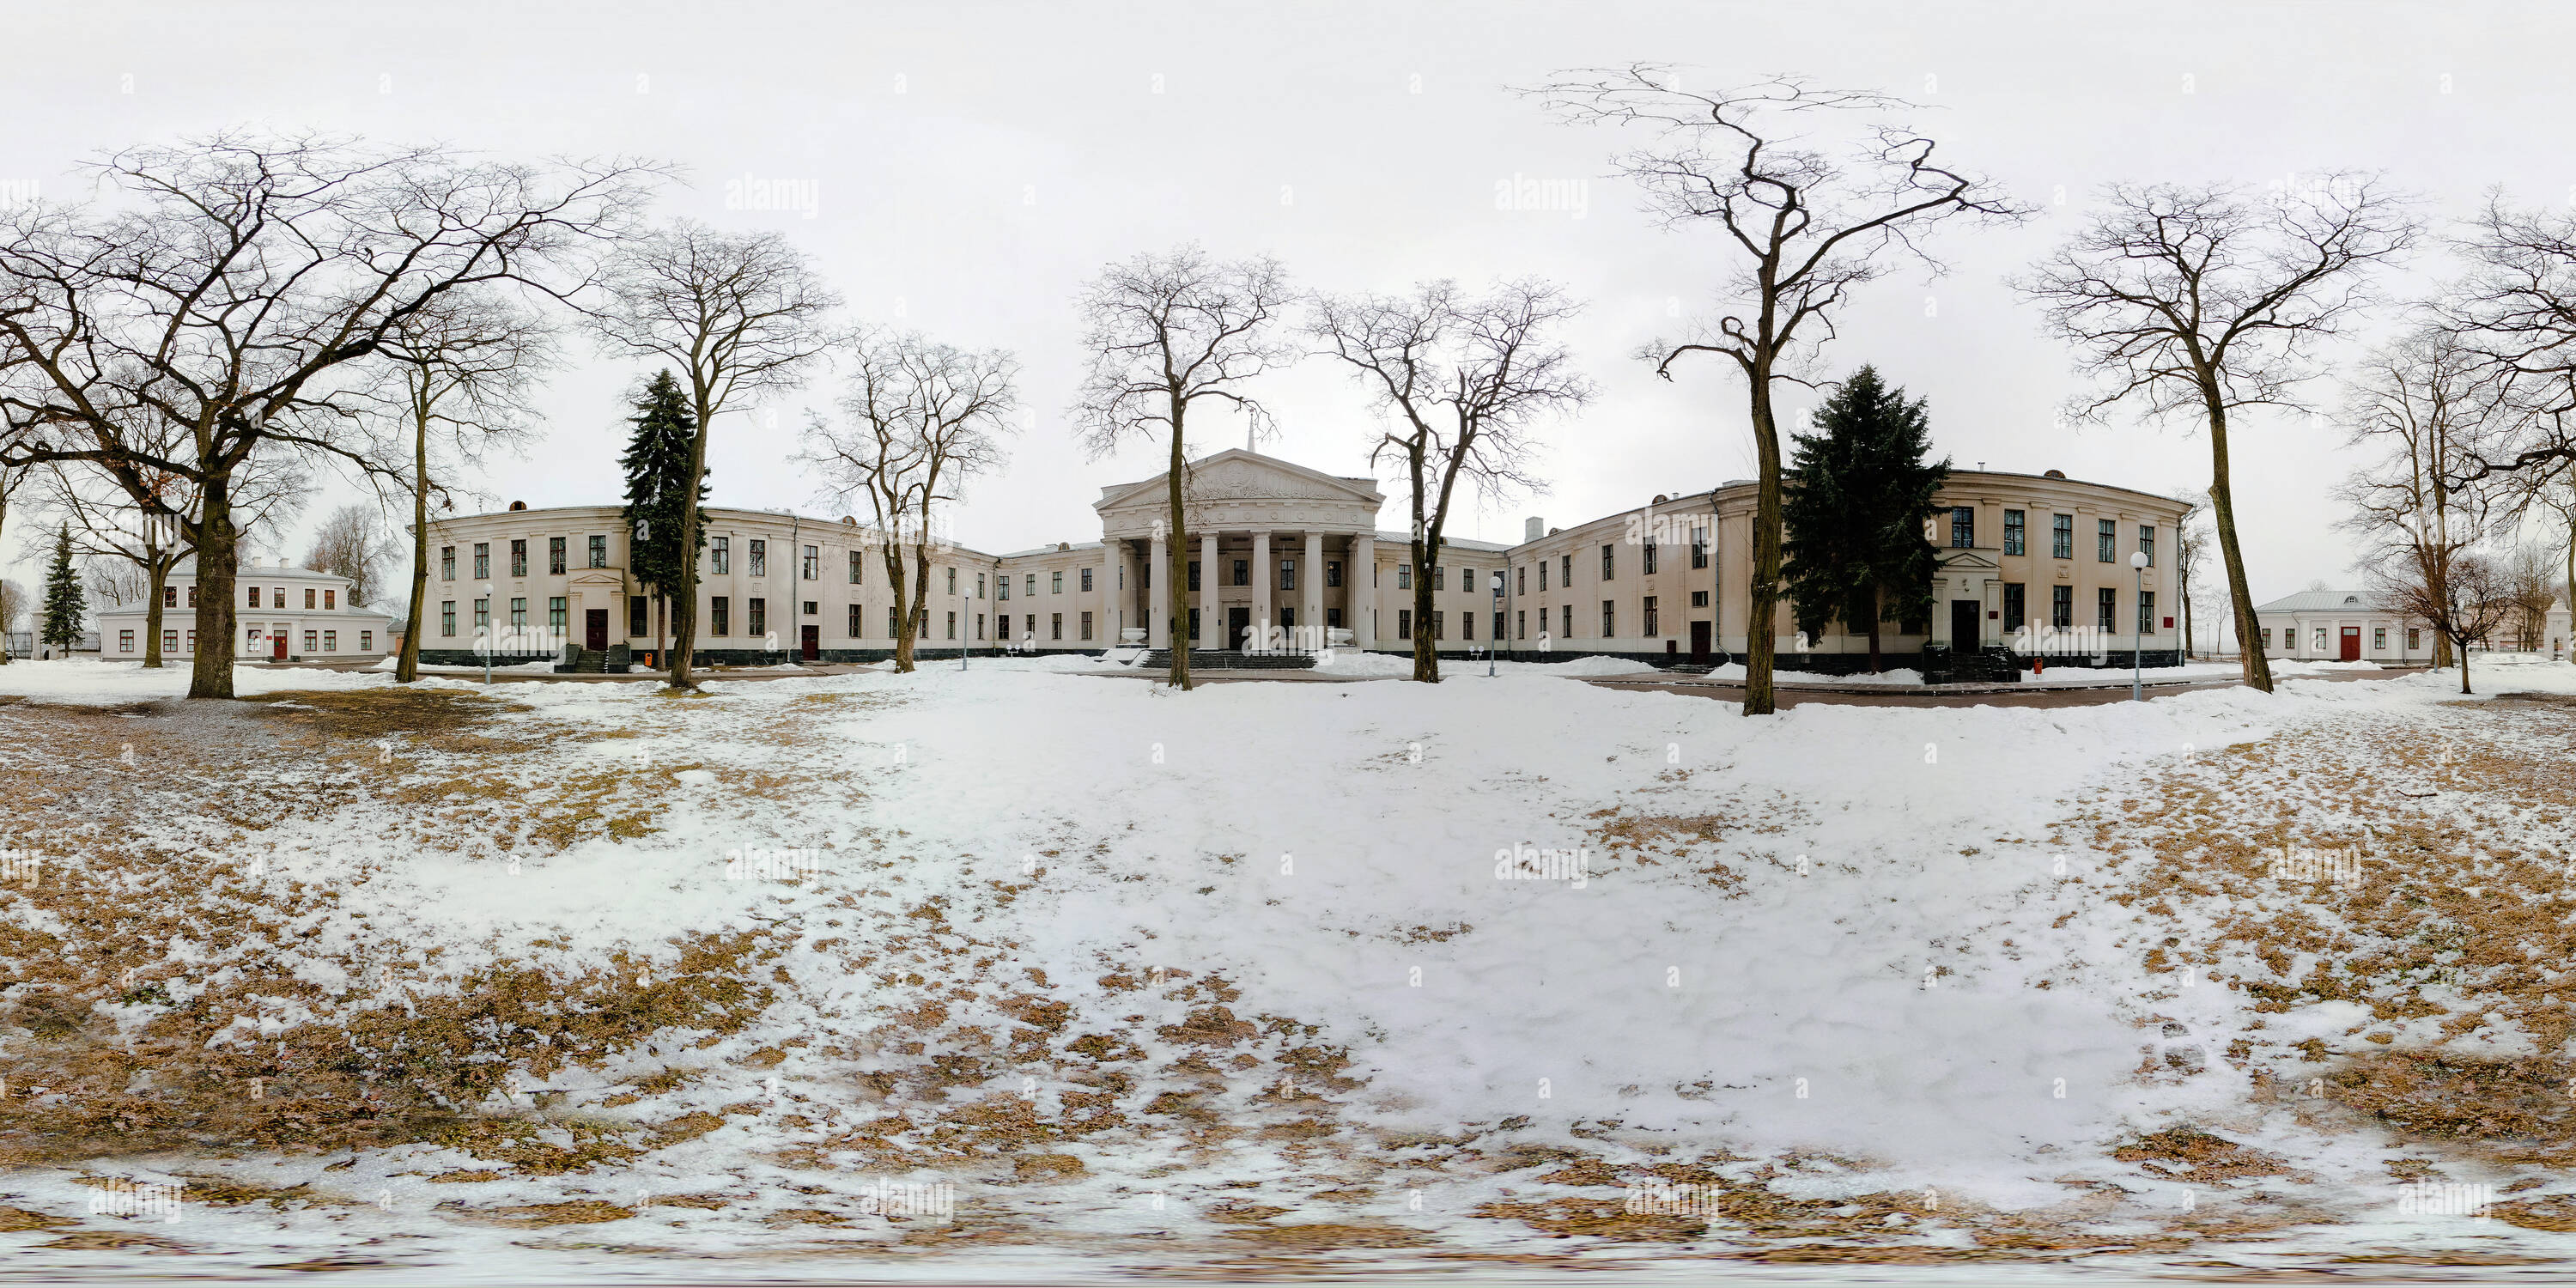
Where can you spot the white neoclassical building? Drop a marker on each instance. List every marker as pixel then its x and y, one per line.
pixel 283 613
pixel 1276 544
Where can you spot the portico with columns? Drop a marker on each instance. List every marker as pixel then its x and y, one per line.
pixel 1276 545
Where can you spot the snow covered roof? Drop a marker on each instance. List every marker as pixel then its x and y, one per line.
pixel 1405 539
pixel 2323 601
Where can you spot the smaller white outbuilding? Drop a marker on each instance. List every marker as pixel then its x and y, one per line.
pixel 2341 626
pixel 281 613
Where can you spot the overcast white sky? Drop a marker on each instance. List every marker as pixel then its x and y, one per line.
pixel 973 163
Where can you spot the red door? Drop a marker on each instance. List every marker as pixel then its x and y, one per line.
pixel 2351 651
pixel 277 641
pixel 813 642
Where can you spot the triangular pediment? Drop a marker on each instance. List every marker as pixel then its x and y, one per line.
pixel 1236 475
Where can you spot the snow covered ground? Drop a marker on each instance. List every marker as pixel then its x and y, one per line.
pixel 1378 971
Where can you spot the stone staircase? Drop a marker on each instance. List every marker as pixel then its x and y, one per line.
pixel 1228 660
pixel 1994 664
pixel 616 659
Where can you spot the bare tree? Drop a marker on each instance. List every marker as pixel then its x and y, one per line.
pixel 2527 569
pixel 1804 229
pixel 922 420
pixel 2191 558
pixel 2558 503
pixel 2419 402
pixel 1462 382
pixel 739 315
pixel 13 605
pixel 352 543
pixel 106 523
pixel 2200 300
pixel 2514 312
pixel 11 478
pixel 2462 593
pixel 1164 332
pixel 113 581
pixel 230 291
pixel 457 380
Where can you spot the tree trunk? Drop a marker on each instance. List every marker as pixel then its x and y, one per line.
pixel 2464 665
pixel 1874 615
pixel 407 667
pixel 902 619
pixel 2185 579
pixel 2256 668
pixel 685 611
pixel 1762 605
pixel 4 626
pixel 151 619
pixel 1176 569
pixel 1426 654
pixel 218 545
pixel 919 618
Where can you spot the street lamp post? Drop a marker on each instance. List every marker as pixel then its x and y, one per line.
pixel 2137 634
pixel 487 634
pixel 1495 644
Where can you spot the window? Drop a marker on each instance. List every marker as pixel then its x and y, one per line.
pixel 2147 542
pixel 952 580
pixel 1439 577
pixel 2061 607
pixel 310 643
pixel 894 625
pixel 170 641
pixel 979 588
pixel 482 560
pixel 1439 624
pixel 811 608
pixel 1963 527
pixel 277 596
pixel 2061 536
pixel 1609 563
pixel 1332 574
pixel 1651 621
pixel 1055 582
pixel 1032 589
pixel 759 616
pixel 447 563
pixel 635 613
pixel 952 624
pixel 330 641
pixel 519 557
pixel 759 560
pixel 2320 639
pixel 1086 620
pixel 366 641
pixel 2013 532
pixel 1030 631
pixel 921 625
pixel 1243 572
pixel 519 616
pixel 1564 571
pixel 1699 599
pixel 482 615
pixel 558 616
pixel 2267 639
pixel 170 597
pixel 1055 626
pixel 854 621
pixel 2146 612
pixel 2414 638
pixel 2016 609
pixel 812 569
pixel 1646 564
pixel 329 598
pixel 1194 623
pixel 979 626
pixel 1086 589
pixel 1287 574
pixel 308 598
pixel 555 556
pixel 720 615
pixel 1609 618
pixel 192 597
pixel 854 576
pixel 1699 547
pixel 1568 630
pixel 599 550
pixel 1467 580
pixel 2106 602
pixel 1404 577
pixel 1404 623
pixel 1194 574
pixel 1520 624
pixel 125 641
pixel 2378 638
pixel 1520 580
pixel 1005 584
pixel 1542 576
pixel 2105 537
pixel 173 600
pixel 720 550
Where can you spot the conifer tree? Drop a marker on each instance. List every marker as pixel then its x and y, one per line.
pixel 65 604
pixel 1859 489
pixel 657 477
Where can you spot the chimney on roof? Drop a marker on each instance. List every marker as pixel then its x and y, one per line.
pixel 1533 528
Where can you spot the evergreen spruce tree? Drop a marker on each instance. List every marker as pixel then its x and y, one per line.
pixel 65 605
pixel 657 474
pixel 1858 490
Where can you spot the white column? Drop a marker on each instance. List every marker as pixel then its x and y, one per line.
pixel 1359 584
pixel 1310 580
pixel 1211 627
pixel 1158 616
pixel 1262 577
pixel 1122 590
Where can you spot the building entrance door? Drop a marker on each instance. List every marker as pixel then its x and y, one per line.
pixel 1965 615
pixel 2351 651
pixel 1699 643
pixel 813 642
pixel 1238 626
pixel 594 629
pixel 277 645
